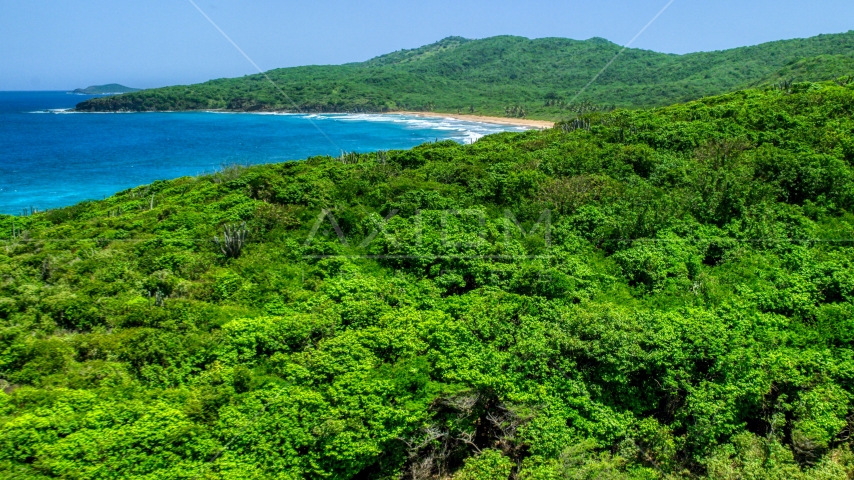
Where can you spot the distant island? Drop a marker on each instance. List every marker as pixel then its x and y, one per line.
pixel 113 88
pixel 506 76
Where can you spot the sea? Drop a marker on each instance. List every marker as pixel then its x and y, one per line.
pixel 52 157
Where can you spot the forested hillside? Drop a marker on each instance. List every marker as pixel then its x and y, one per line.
pixel 507 76
pixel 651 294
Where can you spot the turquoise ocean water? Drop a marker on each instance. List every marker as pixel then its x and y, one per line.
pixel 50 157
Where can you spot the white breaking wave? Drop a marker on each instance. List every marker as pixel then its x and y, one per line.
pixel 56 111
pixel 464 130
pixel 71 111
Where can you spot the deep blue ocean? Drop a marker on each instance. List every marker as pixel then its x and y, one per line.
pixel 50 157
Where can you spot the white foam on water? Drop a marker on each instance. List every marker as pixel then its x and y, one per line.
pixel 71 111
pixel 465 131
pixel 56 111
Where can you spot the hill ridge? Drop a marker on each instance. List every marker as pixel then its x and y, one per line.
pixel 507 75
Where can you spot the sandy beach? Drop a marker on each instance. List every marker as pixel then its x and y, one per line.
pixel 521 122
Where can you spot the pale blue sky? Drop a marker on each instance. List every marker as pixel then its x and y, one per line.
pixel 56 45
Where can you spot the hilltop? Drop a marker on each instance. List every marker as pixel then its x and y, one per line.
pixel 507 76
pixel 112 88
pixel 637 294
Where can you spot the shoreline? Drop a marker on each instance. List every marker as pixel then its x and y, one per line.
pixel 519 122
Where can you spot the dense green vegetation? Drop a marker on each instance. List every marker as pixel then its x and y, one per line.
pixel 685 309
pixel 510 76
pixel 105 89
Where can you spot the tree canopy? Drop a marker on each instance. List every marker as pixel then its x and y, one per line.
pixel 649 294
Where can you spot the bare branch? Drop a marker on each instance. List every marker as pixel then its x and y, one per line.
pixel 468 439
